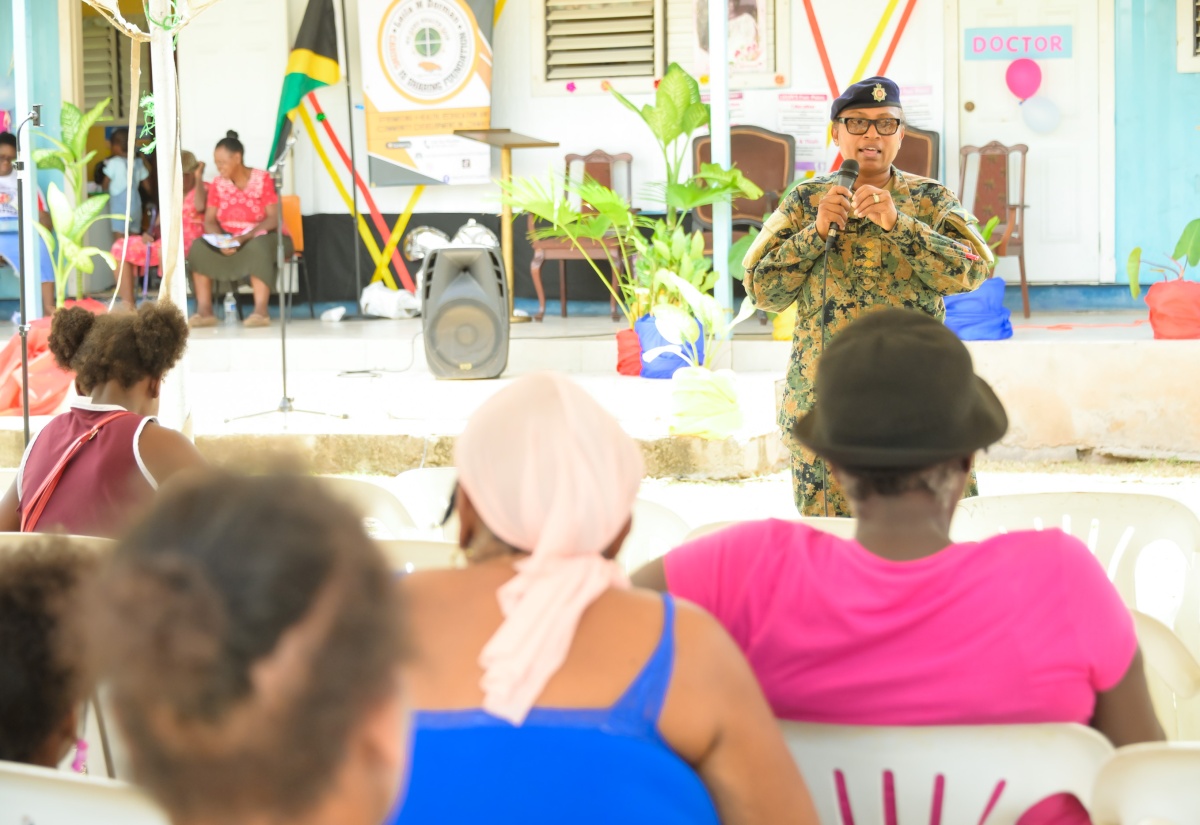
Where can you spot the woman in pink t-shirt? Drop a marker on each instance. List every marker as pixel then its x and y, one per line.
pixel 243 205
pixel 902 626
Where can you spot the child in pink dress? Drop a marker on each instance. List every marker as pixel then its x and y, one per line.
pixel 142 250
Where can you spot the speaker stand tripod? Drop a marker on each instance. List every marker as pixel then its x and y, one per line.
pixel 285 403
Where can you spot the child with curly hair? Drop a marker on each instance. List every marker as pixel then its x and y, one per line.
pixel 96 466
pixel 41 683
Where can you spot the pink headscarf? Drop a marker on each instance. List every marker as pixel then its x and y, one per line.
pixel 551 473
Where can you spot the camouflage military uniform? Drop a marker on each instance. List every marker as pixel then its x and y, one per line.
pixel 933 250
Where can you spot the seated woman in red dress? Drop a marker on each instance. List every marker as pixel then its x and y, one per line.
pixel 95 468
pixel 144 249
pixel 242 204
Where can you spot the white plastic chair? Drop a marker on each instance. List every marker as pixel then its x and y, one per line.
pixel 408 555
pixel 1173 676
pixel 943 775
pixel 1149 784
pixel 31 795
pixel 656 530
pixel 425 492
pixel 1126 531
pixel 385 517
pixel 7 476
pixel 843 528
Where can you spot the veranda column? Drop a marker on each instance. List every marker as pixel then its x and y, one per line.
pixel 718 87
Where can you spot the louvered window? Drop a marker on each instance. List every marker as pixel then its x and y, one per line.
pixel 106 65
pixel 1187 35
pixel 595 40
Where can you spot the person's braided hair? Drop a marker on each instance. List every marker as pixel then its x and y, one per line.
pixel 119 346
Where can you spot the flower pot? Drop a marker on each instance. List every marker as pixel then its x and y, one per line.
pixel 704 403
pixel 1174 309
pixel 980 315
pixel 661 358
pixel 629 353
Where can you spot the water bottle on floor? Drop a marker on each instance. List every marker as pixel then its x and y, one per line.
pixel 230 310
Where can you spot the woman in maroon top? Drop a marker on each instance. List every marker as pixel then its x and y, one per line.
pixel 121 358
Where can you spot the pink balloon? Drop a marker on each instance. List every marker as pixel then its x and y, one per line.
pixel 1024 77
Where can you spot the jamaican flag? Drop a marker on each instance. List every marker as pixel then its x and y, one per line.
pixel 312 63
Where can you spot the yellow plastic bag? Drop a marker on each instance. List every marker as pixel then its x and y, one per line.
pixel 784 325
pixel 705 403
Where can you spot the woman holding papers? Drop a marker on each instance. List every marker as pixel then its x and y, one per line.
pixel 241 220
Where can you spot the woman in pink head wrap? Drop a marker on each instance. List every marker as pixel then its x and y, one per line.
pixel 574 697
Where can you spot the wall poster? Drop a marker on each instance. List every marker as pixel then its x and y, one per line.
pixel 427 71
pixel 749 49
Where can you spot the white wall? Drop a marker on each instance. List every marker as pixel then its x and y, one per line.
pixel 231 65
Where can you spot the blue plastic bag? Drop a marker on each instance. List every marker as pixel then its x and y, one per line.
pixel 980 315
pixel 661 358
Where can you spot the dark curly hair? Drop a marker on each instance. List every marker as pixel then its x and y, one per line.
pixel 244 629
pixel 119 346
pixel 40 671
pixel 230 143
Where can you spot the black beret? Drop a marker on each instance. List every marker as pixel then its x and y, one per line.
pixel 872 93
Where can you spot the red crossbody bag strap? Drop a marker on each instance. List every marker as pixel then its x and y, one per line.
pixel 37 502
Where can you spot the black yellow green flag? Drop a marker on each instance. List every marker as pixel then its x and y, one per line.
pixel 313 63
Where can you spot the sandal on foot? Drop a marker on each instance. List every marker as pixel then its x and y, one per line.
pixel 202 321
pixel 256 320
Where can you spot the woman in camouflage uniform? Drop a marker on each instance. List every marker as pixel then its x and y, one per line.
pixel 902 241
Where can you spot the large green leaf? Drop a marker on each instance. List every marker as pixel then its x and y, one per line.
pixel 676 324
pixel 737 252
pixel 695 116
pixel 49 159
pixel 676 92
pixel 86 122
pixel 1189 244
pixel 61 214
pixel 626 102
pixel 663 121
pixel 57 144
pixel 47 236
pixel 88 253
pixel 87 211
pixel 1133 268
pixel 731 179
pixel 71 119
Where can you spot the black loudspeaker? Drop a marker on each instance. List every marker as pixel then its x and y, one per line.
pixel 465 306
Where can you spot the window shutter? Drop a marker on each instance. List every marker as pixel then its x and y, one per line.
pixel 600 39
pixel 101 64
pixel 1195 28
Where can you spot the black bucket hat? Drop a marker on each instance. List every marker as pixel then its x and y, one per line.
pixel 896 390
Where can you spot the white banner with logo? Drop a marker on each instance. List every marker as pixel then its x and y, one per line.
pixel 427 71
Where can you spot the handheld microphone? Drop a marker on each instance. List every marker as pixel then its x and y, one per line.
pixel 846 176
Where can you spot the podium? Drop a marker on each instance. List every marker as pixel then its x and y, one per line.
pixel 506 140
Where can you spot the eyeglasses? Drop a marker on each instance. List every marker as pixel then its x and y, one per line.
pixel 859 125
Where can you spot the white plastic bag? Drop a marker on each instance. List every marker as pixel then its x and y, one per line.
pixel 378 300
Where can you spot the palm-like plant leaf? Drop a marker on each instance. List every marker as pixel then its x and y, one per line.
pixel 49 159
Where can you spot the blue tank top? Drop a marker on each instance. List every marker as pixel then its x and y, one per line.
pixel 582 766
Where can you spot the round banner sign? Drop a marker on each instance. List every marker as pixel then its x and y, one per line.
pixel 427 48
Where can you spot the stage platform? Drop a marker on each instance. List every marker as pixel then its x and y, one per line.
pixel 1075 385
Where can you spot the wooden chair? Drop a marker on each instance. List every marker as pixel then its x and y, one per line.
pixel 765 157
pixel 599 166
pixel 992 193
pixel 919 153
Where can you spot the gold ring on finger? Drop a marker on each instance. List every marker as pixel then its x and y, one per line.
pixel 876 197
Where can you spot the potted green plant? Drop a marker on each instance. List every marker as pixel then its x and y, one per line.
pixel 73 214
pixel 704 401
pixel 644 244
pixel 1174 301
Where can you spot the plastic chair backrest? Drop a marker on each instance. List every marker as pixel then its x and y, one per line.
pixel 7 476
pixel 425 492
pixel 943 775
pixel 1118 528
pixel 290 210
pixel 843 528
pixel 1153 783
pixel 385 516
pixel 49 797
pixel 656 530
pixel 1173 676
pixel 408 555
